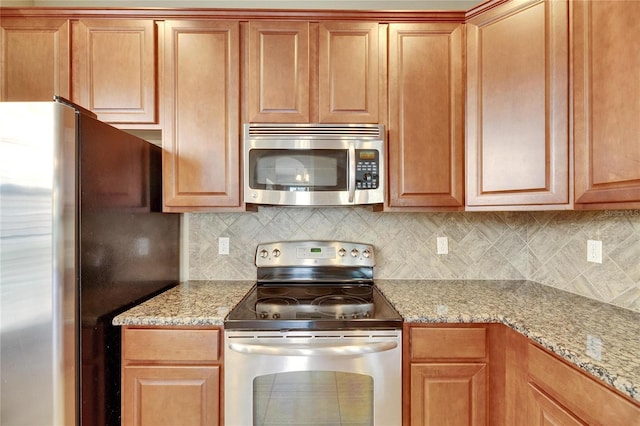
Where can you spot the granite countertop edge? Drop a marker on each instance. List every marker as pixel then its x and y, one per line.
pixel 206 303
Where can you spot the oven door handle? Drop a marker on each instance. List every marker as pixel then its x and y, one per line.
pixel 352 171
pixel 313 349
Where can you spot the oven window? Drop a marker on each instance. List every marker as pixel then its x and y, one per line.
pixel 313 398
pixel 298 170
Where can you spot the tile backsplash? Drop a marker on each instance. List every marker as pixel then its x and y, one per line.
pixel 546 247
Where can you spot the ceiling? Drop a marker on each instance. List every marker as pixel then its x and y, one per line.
pixel 260 4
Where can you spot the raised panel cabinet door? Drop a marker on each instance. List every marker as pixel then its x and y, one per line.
pixel 426 129
pixel 278 72
pixel 545 411
pixel 114 69
pixel 165 395
pixel 34 59
pixel 201 142
pixel 449 394
pixel 348 72
pixel 606 60
pixel 517 105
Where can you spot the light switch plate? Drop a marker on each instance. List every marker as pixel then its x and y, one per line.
pixel 442 245
pixel 594 347
pixel 594 251
pixel 223 245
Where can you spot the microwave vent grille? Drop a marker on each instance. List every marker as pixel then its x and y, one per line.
pixel 323 131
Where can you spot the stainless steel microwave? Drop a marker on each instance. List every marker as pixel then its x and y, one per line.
pixel 314 164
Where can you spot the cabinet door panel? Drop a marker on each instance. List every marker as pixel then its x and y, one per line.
pixel 34 59
pixel 348 72
pixel 606 101
pixel 426 145
pixel 517 105
pixel 547 412
pixel 278 72
pixel 201 130
pixel 171 395
pixel 114 65
pixel 448 394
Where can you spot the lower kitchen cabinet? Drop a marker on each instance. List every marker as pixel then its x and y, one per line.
pixel 446 375
pixel 171 376
pixel 561 394
pixel 490 374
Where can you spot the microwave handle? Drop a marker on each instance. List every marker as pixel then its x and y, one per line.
pixel 352 171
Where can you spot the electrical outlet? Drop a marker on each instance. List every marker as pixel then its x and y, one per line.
pixel 594 347
pixel 223 245
pixel 594 251
pixel 142 246
pixel 442 245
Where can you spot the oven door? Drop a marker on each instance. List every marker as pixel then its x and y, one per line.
pixel 313 378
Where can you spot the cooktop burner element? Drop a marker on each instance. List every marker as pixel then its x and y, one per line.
pixel 314 285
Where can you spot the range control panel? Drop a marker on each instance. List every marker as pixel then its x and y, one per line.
pixel 314 253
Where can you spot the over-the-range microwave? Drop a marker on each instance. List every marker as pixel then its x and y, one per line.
pixel 314 164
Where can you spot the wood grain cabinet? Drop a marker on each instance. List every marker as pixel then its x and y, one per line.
pixel 35 59
pixel 304 72
pixel 115 69
pixel 606 96
pixel 446 376
pixel 171 376
pixel 561 394
pixel 201 89
pixel 426 110
pixel 517 142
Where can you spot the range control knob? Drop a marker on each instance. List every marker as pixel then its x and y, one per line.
pixel 354 252
pixel 366 253
pixel 263 315
pixel 264 254
pixel 276 252
pixel 275 315
pixel 342 252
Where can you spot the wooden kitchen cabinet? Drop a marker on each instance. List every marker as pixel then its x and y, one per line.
pixel 446 375
pixel 303 72
pixel 115 69
pixel 201 89
pixel 34 59
pixel 517 106
pixel 171 376
pixel 426 110
pixel 606 104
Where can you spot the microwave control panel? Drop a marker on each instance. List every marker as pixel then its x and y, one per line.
pixel 367 165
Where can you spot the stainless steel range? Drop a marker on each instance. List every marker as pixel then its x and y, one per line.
pixel 314 341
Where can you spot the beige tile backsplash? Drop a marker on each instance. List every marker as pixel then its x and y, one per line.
pixel 547 247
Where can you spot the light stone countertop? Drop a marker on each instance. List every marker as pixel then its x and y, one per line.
pixel 557 320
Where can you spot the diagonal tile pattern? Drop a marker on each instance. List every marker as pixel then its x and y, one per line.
pixel 547 247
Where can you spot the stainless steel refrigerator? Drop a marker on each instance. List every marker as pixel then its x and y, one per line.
pixel 82 238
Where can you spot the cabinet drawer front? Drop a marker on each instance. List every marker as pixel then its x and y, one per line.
pixel 448 343
pixel 591 401
pixel 171 345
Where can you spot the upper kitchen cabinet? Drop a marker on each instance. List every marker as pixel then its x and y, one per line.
pixel 517 107
pixel 114 69
pixel 201 90
pixel 426 109
pixel 35 59
pixel 606 60
pixel 302 72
